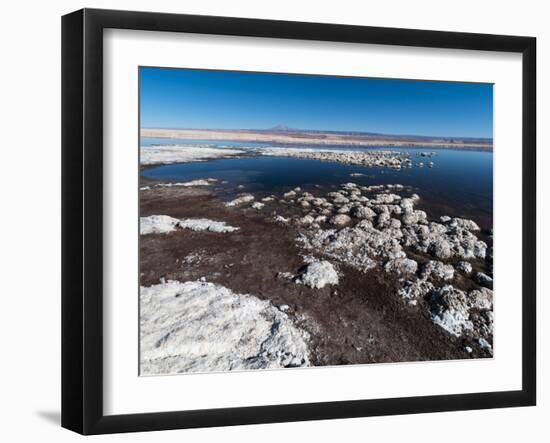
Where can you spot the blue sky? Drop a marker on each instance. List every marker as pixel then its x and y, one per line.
pixel 200 99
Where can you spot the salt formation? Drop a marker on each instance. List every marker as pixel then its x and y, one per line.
pixel 388 159
pixel 244 198
pixel 318 274
pixel 366 227
pixel 163 224
pixel 158 155
pixel 198 326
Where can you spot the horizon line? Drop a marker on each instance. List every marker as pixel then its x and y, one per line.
pixel 291 129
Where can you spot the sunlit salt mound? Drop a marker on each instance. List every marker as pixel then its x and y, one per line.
pixel 157 155
pixel 318 274
pixel 163 224
pixel 197 326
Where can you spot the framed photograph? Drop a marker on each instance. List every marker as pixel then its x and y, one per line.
pixel 269 221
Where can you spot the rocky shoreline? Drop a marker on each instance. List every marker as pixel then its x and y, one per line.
pixel 381 159
pixel 365 275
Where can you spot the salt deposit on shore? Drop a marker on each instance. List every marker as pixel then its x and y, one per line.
pixel 244 198
pixel 439 268
pixel 380 228
pixel 388 159
pixel 198 326
pixel 451 309
pixel 162 224
pixel 318 274
pixel 199 182
pixel 157 155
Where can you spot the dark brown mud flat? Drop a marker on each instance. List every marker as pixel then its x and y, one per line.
pixel 361 320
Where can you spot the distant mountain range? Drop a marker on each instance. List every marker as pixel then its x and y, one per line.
pixel 281 128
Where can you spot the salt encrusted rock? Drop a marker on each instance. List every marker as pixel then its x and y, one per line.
pixel 450 310
pixel 318 274
pixel 349 186
pixel 480 249
pixel 443 241
pixel 464 266
pixel 289 194
pixel 468 225
pixel 395 225
pixel 281 219
pixel 481 298
pixel 441 248
pixel 339 199
pixel 372 188
pixel 388 159
pixel 401 266
pixel 445 219
pixel 304 204
pixel 306 220
pixel 344 209
pixel 419 288
pixel 397 186
pixel 415 289
pixel 340 220
pixel 393 209
pixel 383 220
pixel 180 322
pixel 321 219
pixel 244 198
pixel 257 205
pixel 157 224
pixel 386 199
pixel 384 225
pixel 484 344
pixel 437 270
pixel 362 212
pixel 484 280
pixel 414 217
pixel 483 325
pixel 163 224
pixel 285 275
pixel 204 224
pixel 268 198
pixel 358 246
pixel 199 182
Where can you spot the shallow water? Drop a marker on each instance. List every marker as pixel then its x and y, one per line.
pixel 459 184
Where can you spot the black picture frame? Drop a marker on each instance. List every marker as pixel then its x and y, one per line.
pixel 82 218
